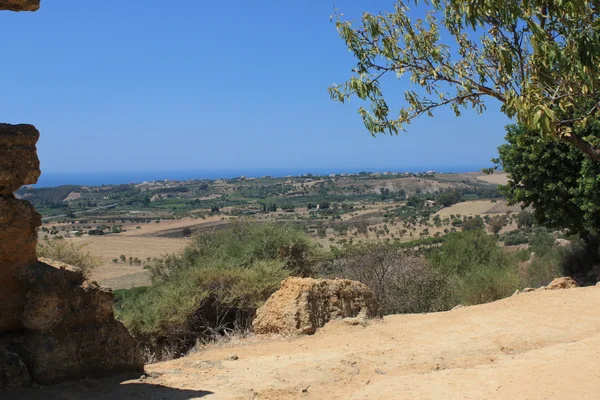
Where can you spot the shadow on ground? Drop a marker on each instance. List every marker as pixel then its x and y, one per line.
pixel 104 389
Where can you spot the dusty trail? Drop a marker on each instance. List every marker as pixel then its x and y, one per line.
pixel 541 345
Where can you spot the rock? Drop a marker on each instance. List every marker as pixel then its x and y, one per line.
pixel 562 283
pixel 516 292
pixel 19 164
pixel 459 306
pixel 80 352
pixel 19 5
pixel 18 222
pixel 597 283
pixel 361 319
pixel 54 324
pixel 562 242
pixel 528 289
pixel 232 357
pixel 302 305
pixel 13 372
pixel 70 330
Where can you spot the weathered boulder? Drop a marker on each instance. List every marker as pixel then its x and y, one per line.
pixel 302 305
pixel 19 164
pixel 562 283
pixel 70 331
pixel 13 372
pixel 19 5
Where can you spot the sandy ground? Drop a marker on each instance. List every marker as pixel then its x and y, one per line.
pixel 541 345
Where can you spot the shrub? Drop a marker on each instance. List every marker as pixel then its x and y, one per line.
pixel 402 283
pixel 579 259
pixel 480 271
pixel 514 238
pixel 213 286
pixel 541 242
pixel 69 253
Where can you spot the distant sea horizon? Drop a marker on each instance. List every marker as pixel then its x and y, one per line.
pixel 52 179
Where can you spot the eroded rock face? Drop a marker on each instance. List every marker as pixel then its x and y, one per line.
pixel 19 164
pixel 70 330
pixel 302 305
pixel 19 5
pixel 562 283
pixel 13 372
pixel 54 324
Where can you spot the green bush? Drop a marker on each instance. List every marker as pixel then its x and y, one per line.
pixel 541 242
pixel 480 270
pixel 515 237
pixel 213 286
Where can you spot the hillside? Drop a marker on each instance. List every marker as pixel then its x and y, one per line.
pixel 540 345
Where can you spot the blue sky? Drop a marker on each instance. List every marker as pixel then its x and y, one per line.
pixel 133 85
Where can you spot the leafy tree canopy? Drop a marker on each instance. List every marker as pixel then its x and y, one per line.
pixel 556 179
pixel 539 58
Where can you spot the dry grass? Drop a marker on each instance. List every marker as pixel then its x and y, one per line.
pixel 123 275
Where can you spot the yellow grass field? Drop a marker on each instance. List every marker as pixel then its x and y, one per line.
pixel 123 275
pixel 499 178
pixel 478 207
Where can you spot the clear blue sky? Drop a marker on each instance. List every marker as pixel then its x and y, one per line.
pixel 134 85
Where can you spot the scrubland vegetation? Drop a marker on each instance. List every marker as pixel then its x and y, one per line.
pixel 214 286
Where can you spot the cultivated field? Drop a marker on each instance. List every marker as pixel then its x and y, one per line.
pixel 479 207
pixel 123 275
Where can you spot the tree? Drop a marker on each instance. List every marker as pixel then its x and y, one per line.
pixel 497 223
pixel 539 58
pixel 558 181
pixel 473 224
pixel 525 219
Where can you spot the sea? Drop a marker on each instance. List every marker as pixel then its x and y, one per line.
pixel 52 179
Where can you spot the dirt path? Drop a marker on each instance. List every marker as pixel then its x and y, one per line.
pixel 542 345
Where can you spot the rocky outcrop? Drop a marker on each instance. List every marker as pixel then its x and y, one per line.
pixel 70 330
pixel 54 324
pixel 562 283
pixel 19 5
pixel 302 305
pixel 19 166
pixel 13 372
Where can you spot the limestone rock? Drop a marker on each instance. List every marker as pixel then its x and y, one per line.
pixel 302 305
pixel 528 289
pixel 19 5
pixel 562 242
pixel 562 283
pixel 60 298
pixel 70 330
pixel 18 235
pixel 19 164
pixel 13 372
